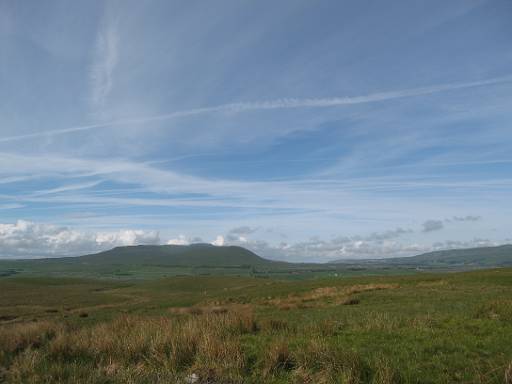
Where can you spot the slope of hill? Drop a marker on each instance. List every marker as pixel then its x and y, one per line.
pixel 194 255
pixel 153 261
pixel 482 257
pixel 150 261
pixel 499 256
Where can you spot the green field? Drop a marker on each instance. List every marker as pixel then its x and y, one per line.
pixel 421 328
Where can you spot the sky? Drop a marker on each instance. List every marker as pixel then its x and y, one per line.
pixel 302 130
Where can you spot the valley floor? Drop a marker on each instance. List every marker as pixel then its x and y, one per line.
pixel 424 328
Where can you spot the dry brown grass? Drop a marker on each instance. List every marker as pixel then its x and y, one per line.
pixel 211 308
pixel 325 296
pixel 218 359
pixel 130 346
pixel 322 362
pixel 432 284
pixel 17 337
pixel 508 374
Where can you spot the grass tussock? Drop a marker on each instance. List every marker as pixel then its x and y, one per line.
pixel 208 345
pixel 17 337
pixel 208 348
pixel 326 363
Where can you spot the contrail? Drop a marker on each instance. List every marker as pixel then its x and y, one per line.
pixel 271 104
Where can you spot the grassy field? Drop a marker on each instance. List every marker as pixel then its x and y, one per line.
pixel 422 328
pixel 126 271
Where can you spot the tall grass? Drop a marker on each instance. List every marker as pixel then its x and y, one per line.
pixel 204 348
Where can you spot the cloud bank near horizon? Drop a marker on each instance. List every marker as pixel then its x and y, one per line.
pixel 26 239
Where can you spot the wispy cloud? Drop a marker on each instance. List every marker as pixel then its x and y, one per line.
pixel 163 187
pixel 432 225
pixel 466 218
pixel 67 188
pixel 105 61
pixel 10 206
pixel 103 84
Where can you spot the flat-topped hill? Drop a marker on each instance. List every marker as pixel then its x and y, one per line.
pixel 175 255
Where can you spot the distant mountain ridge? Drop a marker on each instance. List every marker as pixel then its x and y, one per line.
pixel 196 255
pixel 497 256
pixel 153 261
pixel 482 256
pixel 175 255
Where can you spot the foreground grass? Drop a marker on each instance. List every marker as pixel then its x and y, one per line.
pixel 415 329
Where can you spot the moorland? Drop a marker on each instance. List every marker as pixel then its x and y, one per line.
pixel 328 325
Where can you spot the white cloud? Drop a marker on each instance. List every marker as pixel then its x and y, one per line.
pixel 180 240
pixel 458 244
pixel 127 237
pixel 26 239
pixel 219 241
pixel 374 245
pixel 320 250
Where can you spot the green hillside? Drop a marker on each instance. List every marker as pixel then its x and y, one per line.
pixel 154 261
pixel 500 256
pixel 175 255
pixel 149 261
pixel 457 259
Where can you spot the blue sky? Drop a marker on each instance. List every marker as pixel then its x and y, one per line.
pixel 302 130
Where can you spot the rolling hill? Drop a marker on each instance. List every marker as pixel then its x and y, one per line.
pixel 482 257
pixel 194 255
pixel 149 261
pixel 153 261
pixel 500 256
